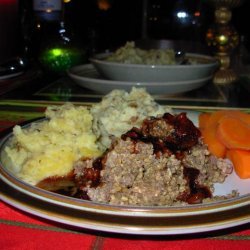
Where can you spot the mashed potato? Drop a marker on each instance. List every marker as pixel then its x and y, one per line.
pixel 49 148
pixel 119 111
pixel 129 53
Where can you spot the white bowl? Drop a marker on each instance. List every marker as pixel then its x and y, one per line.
pixel 204 68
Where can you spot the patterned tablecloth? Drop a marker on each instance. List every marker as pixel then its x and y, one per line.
pixel 21 230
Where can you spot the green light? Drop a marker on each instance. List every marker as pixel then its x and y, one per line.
pixel 56 52
pixel 60 59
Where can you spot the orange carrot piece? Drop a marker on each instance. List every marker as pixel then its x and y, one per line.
pixel 242 116
pixel 208 124
pixel 234 133
pixel 241 162
pixel 209 133
pixel 217 115
pixel 214 145
pixel 203 120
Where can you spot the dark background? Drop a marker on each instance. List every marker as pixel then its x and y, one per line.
pixel 107 24
pixel 125 20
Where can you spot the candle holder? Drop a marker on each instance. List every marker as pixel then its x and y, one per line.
pixel 223 39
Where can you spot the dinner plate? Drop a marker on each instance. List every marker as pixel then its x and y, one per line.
pixel 87 76
pixel 7 76
pixel 128 219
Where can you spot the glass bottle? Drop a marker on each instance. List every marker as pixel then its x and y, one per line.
pixel 27 43
pixel 58 48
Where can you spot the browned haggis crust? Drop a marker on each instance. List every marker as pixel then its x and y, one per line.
pixel 164 162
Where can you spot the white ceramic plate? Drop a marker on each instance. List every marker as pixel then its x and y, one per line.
pixel 10 75
pixel 87 76
pixel 126 219
pixel 203 67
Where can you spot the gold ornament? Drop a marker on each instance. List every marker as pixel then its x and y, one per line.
pixel 223 39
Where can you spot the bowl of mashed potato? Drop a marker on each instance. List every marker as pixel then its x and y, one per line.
pixel 130 63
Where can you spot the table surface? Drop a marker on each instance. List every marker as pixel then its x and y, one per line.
pixel 26 97
pixel 34 85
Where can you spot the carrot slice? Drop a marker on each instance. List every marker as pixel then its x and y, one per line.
pixel 242 116
pixel 241 162
pixel 211 119
pixel 217 115
pixel 208 124
pixel 214 145
pixel 234 133
pixel 203 120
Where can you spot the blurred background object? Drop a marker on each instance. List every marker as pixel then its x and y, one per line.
pixel 48 38
pixel 8 27
pixel 223 38
pixel 177 19
pixel 101 25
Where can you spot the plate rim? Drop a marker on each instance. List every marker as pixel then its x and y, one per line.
pixel 11 75
pixel 50 212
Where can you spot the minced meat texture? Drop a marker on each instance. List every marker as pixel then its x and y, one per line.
pixel 149 166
